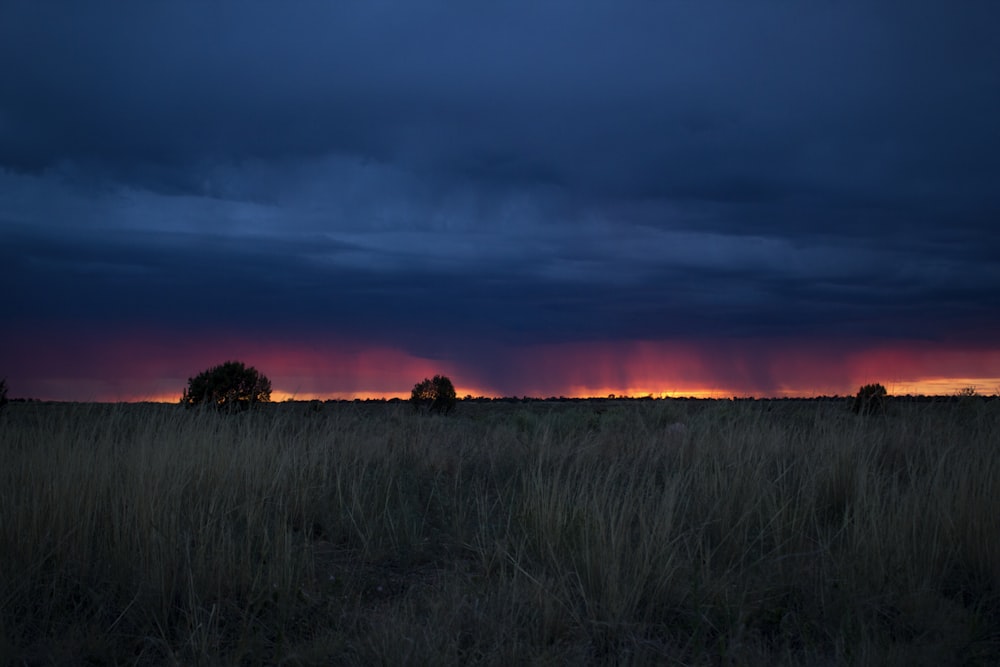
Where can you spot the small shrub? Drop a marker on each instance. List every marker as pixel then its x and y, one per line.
pixel 870 399
pixel 228 386
pixel 436 394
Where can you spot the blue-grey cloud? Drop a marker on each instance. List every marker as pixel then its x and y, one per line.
pixel 517 172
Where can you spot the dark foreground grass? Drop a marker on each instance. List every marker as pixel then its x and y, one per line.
pixel 361 534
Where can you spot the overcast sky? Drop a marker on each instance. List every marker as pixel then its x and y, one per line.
pixel 542 197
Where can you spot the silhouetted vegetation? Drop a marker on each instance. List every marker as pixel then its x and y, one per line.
pixel 870 399
pixel 229 386
pixel 3 393
pixel 436 395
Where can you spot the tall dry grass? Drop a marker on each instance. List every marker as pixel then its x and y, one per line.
pixel 759 533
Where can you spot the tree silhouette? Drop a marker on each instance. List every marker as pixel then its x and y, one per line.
pixel 228 386
pixel 870 399
pixel 437 394
pixel 3 393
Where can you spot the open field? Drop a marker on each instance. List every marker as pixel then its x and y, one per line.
pixel 790 532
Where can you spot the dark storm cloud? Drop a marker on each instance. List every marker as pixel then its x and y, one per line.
pixel 712 100
pixel 520 172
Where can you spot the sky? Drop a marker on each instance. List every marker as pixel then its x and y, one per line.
pixel 541 198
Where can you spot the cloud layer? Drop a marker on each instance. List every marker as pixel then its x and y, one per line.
pixel 450 180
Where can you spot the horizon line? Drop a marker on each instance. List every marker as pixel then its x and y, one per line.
pixel 515 397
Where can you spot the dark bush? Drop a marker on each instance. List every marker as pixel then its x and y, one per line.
pixel 870 399
pixel 436 395
pixel 3 393
pixel 229 386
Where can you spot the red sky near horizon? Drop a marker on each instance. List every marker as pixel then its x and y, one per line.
pixel 149 367
pixel 694 202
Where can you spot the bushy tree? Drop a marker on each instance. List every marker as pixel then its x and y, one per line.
pixel 436 394
pixel 228 386
pixel 3 393
pixel 870 399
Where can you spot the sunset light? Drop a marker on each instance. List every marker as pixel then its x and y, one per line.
pixel 148 367
pixel 684 205
pixel 525 332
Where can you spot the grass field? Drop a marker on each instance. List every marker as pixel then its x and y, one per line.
pixel 635 532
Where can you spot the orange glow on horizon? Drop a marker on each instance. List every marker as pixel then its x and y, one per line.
pixel 280 396
pixel 944 386
pixel 643 392
pixel 938 386
pixel 144 366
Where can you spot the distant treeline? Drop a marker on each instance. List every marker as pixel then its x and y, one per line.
pixel 908 398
